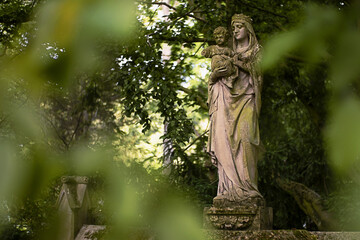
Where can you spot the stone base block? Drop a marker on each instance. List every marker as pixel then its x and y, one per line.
pixel 238 218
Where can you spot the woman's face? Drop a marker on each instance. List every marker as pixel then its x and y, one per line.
pixel 239 31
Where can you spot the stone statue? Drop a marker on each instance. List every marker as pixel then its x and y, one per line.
pixel 234 107
pixel 234 141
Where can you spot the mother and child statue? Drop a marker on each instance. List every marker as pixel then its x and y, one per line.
pixel 234 106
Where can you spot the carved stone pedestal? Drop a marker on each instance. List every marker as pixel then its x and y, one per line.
pixel 249 215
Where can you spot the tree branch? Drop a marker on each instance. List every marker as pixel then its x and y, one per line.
pixel 159 3
pixel 196 139
pixel 198 99
pixel 77 127
pixel 174 8
pixel 310 203
pixel 264 10
pixel 189 40
pixel 57 132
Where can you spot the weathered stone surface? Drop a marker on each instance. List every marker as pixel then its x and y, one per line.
pixel 238 218
pixel 91 232
pixel 251 214
pixel 337 235
pixel 73 204
pixel 311 203
pixel 279 234
pixel 234 99
pixel 250 202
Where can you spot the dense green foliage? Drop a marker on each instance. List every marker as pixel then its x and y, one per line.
pixel 81 78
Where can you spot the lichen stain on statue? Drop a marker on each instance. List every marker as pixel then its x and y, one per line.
pixel 234 100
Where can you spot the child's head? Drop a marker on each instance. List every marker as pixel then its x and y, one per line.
pixel 221 36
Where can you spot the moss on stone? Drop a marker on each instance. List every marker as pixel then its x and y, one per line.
pixel 279 235
pixel 304 235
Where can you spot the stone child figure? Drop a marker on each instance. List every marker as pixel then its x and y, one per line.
pixel 220 53
pixel 234 107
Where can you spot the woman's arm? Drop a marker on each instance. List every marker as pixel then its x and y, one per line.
pixel 219 72
pixel 241 64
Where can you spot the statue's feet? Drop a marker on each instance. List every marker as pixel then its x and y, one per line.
pixel 222 200
pixel 219 197
pixel 233 199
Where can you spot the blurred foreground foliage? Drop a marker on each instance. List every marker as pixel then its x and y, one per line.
pixel 78 79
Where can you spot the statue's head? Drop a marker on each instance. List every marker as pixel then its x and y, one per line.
pixel 242 18
pixel 221 36
pixel 242 27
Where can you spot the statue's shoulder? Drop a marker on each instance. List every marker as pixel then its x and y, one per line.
pixel 257 53
pixel 258 50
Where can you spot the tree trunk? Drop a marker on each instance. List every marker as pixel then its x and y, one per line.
pixel 310 203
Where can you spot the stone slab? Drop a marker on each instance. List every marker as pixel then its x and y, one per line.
pixel 279 234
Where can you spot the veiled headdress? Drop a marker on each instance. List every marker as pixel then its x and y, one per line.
pixel 253 47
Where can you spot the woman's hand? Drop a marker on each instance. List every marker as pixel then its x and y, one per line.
pixel 243 66
pixel 219 72
pixel 237 60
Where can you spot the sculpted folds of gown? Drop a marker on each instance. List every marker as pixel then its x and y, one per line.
pixel 234 106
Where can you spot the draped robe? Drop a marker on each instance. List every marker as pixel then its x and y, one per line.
pixel 234 140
